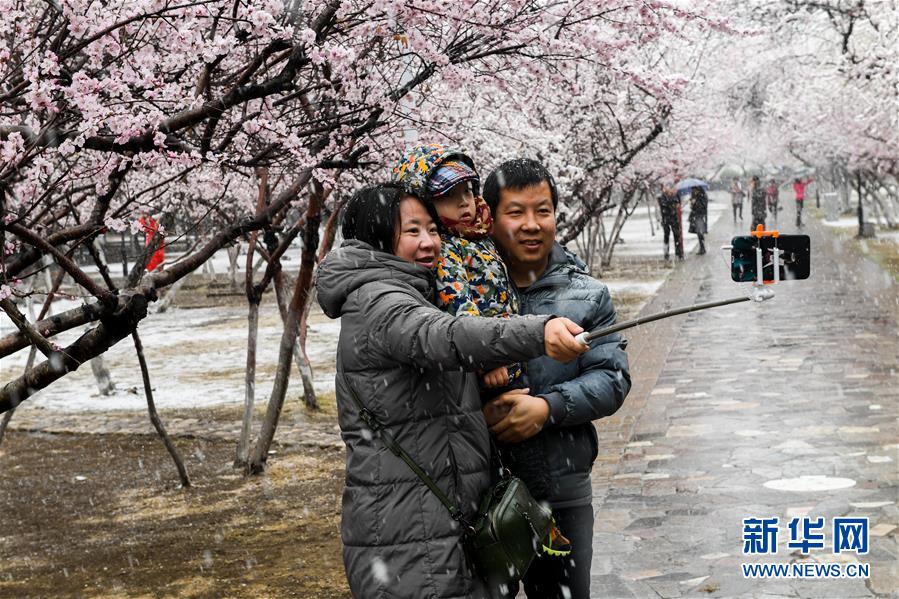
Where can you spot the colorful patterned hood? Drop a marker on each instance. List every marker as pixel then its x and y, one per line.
pixel 419 162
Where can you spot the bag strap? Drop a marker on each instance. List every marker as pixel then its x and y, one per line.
pixel 376 426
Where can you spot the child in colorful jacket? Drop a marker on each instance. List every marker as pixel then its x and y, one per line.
pixel 472 279
pixel 471 276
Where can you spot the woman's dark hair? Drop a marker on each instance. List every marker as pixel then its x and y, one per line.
pixel 373 215
pixel 517 174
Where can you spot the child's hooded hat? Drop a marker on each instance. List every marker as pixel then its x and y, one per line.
pixel 434 169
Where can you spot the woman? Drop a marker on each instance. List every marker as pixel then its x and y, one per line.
pixel 413 365
pixel 699 216
pixel 736 198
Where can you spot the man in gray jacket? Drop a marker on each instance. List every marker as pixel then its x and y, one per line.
pixel 562 400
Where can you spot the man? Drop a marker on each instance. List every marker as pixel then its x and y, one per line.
pixel 562 400
pixel 670 213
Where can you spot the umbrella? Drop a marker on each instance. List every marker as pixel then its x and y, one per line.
pixel 687 184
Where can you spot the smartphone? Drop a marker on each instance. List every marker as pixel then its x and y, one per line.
pixel 795 257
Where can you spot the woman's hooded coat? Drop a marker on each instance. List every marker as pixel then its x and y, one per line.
pixel 411 365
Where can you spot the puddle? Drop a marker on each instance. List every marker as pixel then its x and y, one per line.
pixel 810 483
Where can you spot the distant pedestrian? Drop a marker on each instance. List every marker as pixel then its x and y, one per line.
pixel 799 190
pixel 736 198
pixel 772 198
pixel 757 202
pixel 151 228
pixel 699 216
pixel 670 214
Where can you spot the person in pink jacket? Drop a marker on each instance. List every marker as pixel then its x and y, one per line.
pixel 799 190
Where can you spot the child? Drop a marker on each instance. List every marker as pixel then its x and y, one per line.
pixel 472 279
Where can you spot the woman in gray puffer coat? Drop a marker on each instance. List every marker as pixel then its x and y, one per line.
pixel 413 365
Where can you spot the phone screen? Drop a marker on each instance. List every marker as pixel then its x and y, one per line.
pixel 795 257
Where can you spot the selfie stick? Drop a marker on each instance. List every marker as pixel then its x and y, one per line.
pixel 760 293
pixel 587 337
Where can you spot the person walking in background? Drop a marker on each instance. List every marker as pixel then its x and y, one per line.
pixel 757 202
pixel 699 216
pixel 151 228
pixel 799 189
pixel 670 215
pixel 772 198
pixel 736 198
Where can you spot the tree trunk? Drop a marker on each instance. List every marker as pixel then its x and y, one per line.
pixel 233 255
pixel 47 262
pixel 243 444
pixel 279 389
pixel 5 422
pixel 154 416
pixel 844 189
pixel 169 298
pixel 209 269
pixel 305 367
pixel 620 218
pixel 289 337
pixel 105 383
pixel 282 281
pixel 861 205
pixel 124 249
pixel 45 310
pixel 254 296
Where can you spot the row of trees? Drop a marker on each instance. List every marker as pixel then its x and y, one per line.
pixel 255 121
pixel 815 86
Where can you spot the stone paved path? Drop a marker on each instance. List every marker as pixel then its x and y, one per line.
pixel 728 399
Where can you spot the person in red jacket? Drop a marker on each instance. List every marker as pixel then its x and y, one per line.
pixel 799 190
pixel 151 228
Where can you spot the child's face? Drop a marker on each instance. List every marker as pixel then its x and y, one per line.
pixel 457 203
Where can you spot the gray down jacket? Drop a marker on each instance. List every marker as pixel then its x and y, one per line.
pixel 411 365
pixel 593 386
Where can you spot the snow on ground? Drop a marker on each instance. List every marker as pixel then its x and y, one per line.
pixel 220 261
pixel 846 222
pixel 647 288
pixel 639 241
pixel 197 357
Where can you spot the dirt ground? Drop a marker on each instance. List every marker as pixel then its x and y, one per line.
pixel 102 516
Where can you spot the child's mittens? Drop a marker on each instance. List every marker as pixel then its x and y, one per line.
pixel 496 378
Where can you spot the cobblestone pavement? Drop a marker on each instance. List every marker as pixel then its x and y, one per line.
pixel 725 400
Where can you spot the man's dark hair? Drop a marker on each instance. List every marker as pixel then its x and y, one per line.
pixel 517 174
pixel 373 215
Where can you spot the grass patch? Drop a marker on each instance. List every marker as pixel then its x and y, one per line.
pixel 882 251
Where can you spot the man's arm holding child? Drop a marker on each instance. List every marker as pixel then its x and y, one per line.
pixel 598 390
